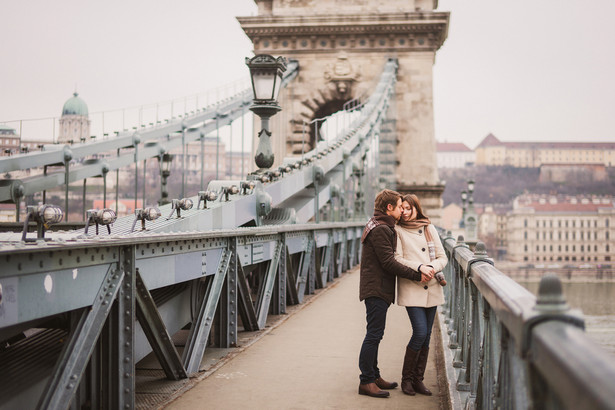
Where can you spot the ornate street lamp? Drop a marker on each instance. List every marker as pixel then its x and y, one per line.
pixel 471 186
pixel 266 74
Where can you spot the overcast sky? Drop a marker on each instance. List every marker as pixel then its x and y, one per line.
pixel 523 70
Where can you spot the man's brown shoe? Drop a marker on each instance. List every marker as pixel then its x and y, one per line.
pixel 370 389
pixel 383 384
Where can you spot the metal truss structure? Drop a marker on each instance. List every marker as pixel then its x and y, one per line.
pixel 78 311
pixel 131 147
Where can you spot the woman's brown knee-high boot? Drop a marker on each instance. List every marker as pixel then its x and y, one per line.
pixel 408 371
pixel 417 380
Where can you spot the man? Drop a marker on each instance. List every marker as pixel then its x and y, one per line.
pixel 377 286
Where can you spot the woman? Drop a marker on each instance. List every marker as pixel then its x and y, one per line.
pixel 419 246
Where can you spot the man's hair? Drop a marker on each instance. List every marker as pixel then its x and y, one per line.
pixel 384 198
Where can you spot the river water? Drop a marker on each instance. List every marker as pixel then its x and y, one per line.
pixel 597 302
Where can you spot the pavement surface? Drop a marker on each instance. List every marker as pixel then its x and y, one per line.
pixel 310 361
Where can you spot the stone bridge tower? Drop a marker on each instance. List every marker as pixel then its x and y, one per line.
pixel 342 46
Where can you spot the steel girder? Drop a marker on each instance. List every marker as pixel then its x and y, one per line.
pixel 76 353
pixel 199 331
pixel 157 333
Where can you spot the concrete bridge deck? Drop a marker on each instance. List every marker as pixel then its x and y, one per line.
pixel 309 361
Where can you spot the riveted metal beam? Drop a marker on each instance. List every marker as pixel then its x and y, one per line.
pixel 227 308
pixel 279 289
pixel 266 293
pixel 123 387
pixel 199 331
pixel 75 355
pixel 157 334
pixel 303 277
pixel 245 304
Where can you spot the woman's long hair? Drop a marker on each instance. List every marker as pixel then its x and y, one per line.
pixel 413 200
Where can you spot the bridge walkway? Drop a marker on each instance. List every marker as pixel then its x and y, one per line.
pixel 309 361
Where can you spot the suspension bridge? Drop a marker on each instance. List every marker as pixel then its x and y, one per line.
pixel 84 312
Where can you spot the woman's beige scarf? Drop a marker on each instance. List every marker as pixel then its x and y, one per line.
pixel 416 224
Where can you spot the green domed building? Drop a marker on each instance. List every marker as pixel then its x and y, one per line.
pixel 75 122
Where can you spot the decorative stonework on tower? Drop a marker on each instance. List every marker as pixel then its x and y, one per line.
pixel 75 122
pixel 343 75
pixel 341 47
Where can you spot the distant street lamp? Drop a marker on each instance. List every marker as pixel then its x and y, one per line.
pixel 464 198
pixel 165 171
pixel 266 74
pixel 470 218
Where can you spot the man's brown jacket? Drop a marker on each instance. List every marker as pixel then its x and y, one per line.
pixel 378 264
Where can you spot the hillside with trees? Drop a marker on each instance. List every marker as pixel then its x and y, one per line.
pixel 502 183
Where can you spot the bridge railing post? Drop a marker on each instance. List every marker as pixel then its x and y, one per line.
pixel 448 275
pixel 477 329
pixel 457 299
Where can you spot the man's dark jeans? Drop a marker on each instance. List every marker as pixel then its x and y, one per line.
pixel 376 315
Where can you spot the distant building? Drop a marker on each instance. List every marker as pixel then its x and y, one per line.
pixel 549 228
pixel 214 158
pixel 239 164
pixel 492 223
pixel 75 122
pixel 9 141
pixel 492 151
pixel 216 161
pixel 450 219
pixel 7 212
pixel 454 155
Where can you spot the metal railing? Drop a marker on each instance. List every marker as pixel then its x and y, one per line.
pixel 513 350
pixel 99 308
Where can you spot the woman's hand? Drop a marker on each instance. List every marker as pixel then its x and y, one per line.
pixel 427 272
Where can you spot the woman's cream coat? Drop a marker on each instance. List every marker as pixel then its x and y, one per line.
pixel 412 251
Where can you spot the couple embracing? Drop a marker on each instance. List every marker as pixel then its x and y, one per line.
pixel 399 242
